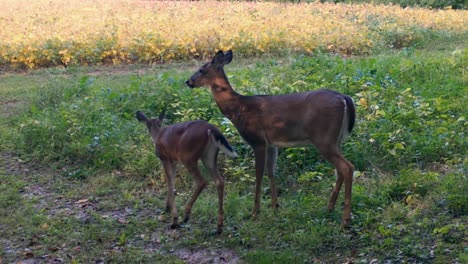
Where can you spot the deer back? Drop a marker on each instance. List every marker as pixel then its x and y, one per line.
pixel 186 141
pixel 287 120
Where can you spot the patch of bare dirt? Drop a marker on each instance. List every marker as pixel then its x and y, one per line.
pixel 207 256
pixel 9 108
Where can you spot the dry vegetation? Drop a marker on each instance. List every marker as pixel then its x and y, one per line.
pixel 49 32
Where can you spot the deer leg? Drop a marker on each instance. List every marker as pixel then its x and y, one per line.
pixel 272 155
pixel 344 173
pixel 335 191
pixel 169 168
pixel 220 187
pixel 260 155
pixel 210 164
pixel 348 181
pixel 168 204
pixel 200 184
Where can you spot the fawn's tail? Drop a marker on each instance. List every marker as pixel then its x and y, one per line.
pixel 222 143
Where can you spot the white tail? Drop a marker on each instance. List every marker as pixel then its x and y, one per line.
pixel 222 144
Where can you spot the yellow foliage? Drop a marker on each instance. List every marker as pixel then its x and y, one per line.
pixel 50 32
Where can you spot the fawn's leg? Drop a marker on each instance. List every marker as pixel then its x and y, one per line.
pixel 200 184
pixel 344 173
pixel 170 169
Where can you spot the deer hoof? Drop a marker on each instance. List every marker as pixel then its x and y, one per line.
pixel 175 223
pixel 186 218
pixel 175 226
pixel 254 214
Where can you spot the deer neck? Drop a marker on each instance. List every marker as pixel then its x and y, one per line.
pixel 226 98
pixel 154 132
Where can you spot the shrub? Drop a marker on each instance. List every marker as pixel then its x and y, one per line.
pixel 81 123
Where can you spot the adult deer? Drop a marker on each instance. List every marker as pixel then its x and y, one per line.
pixel 322 118
pixel 188 142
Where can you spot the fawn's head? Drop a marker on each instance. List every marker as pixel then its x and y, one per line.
pixel 153 124
pixel 208 73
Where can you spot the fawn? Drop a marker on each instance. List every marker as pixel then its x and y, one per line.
pixel 188 142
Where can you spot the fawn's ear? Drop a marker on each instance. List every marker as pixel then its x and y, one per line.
pixel 141 116
pixel 218 59
pixel 162 115
pixel 227 57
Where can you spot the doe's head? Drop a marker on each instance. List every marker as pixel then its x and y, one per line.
pixel 210 71
pixel 153 124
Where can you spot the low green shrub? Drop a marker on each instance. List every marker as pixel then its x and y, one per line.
pixel 402 118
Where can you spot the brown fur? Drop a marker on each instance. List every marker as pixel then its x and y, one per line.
pixel 188 142
pixel 322 118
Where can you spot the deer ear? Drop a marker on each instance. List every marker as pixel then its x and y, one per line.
pixel 141 116
pixel 218 59
pixel 227 57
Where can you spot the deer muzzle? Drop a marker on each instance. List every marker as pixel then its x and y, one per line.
pixel 189 83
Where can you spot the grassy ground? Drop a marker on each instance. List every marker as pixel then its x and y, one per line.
pixel 67 198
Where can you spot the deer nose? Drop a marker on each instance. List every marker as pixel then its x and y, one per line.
pixel 189 83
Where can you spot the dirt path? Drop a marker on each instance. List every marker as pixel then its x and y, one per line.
pixel 40 187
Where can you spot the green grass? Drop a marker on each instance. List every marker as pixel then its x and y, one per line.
pixel 79 180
